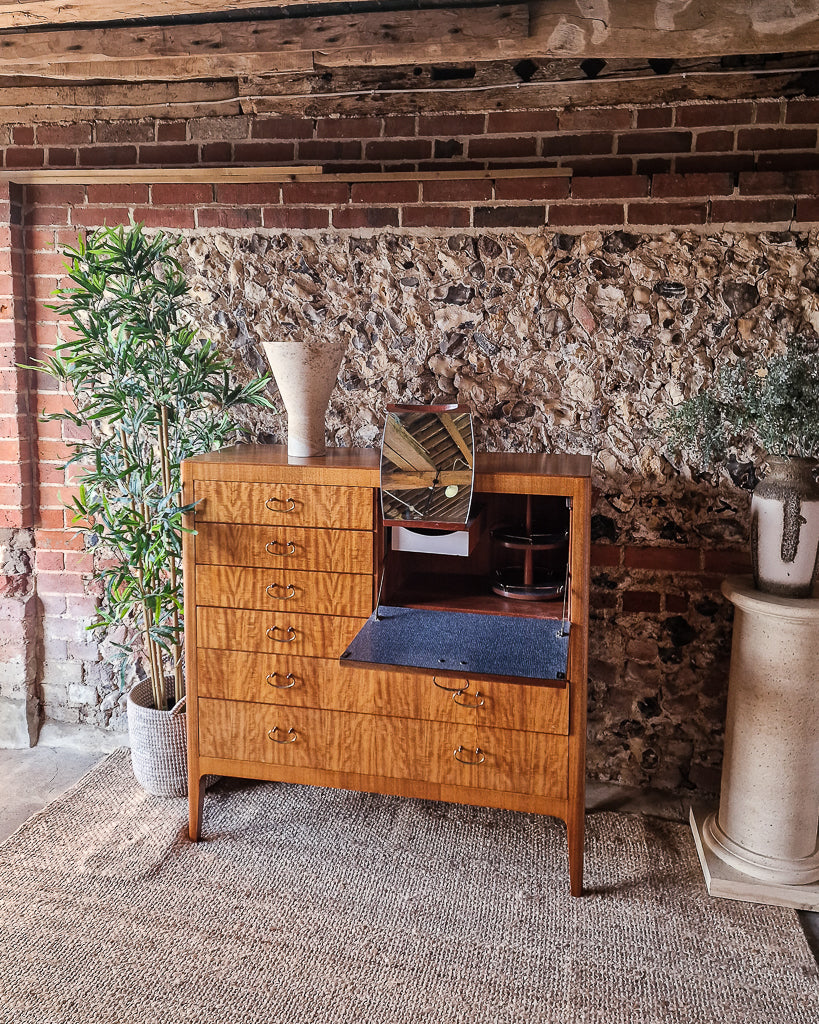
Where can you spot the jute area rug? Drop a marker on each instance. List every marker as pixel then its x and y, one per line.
pixel 311 906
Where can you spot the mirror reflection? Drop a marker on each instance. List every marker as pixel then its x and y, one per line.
pixel 427 466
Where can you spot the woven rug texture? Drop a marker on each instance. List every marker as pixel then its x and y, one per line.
pixel 315 906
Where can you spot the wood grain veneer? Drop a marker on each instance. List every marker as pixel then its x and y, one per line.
pixel 283 504
pixel 285 547
pixel 236 629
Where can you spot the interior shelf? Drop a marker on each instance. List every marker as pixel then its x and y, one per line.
pixel 467 593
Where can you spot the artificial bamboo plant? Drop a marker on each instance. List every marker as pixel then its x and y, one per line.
pixel 150 393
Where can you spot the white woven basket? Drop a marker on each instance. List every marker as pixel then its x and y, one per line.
pixel 158 743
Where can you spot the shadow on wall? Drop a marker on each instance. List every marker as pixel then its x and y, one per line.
pixel 558 343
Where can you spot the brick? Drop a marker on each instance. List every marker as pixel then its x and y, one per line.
pixel 50 539
pixel 447 149
pixel 589 144
pixel 794 161
pixel 502 147
pixel 171 131
pixel 751 210
pixel 698 115
pixel 667 213
pixel 95 217
pixel 586 214
pixel 700 164
pixel 76 134
pixel 676 603
pixel 264 152
pixel 458 191
pixel 654 142
pixel 46 264
pixel 25 156
pixel 188 194
pixel 303 217
pixel 655 117
pixel 768 112
pixel 653 165
pixel 321 193
pixel 219 129
pixel 49 560
pixel 348 127
pixel 727 562
pixel 399 127
pixel 282 128
pixel 802 112
pixel 103 156
pixel 391 150
pixel 456 124
pixel 124 131
pixel 662 559
pixel 603 600
pixel 529 216
pixel 605 554
pixel 530 189
pixel 163 154
pixel 619 186
pixel 365 217
pixel 635 601
pixel 245 217
pixel 59 156
pixel 599 166
pixel 672 186
pixel 522 122
pixel 807 209
pixel 435 217
pixel 380 192
pixel 22 135
pixel 595 119
pixel 117 194
pixel 714 142
pixel 321 150
pixel 776 138
pixel 779 182
pixel 215 153
pixel 258 193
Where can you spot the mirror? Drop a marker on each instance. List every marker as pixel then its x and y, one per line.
pixel 427 466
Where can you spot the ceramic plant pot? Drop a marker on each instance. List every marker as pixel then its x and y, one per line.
pixel 158 743
pixel 785 528
pixel 306 373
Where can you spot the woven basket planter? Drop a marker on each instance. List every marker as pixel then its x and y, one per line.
pixel 158 743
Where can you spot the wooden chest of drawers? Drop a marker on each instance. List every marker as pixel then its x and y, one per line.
pixel 280 576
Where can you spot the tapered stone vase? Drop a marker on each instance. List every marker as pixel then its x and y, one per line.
pixel 785 528
pixel 306 373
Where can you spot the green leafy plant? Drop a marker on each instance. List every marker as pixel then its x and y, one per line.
pixel 770 402
pixel 148 393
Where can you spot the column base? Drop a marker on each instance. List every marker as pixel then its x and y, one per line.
pixel 729 882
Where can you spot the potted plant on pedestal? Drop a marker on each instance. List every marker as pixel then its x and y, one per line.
pixel 771 403
pixel 147 394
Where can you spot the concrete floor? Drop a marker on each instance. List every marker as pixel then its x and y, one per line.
pixel 34 778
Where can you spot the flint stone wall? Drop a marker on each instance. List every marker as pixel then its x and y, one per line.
pixel 558 343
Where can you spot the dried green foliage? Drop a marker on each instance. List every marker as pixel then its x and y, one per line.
pixel 149 394
pixel 769 402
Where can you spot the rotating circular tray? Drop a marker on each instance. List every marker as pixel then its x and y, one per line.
pixel 545 586
pixel 518 539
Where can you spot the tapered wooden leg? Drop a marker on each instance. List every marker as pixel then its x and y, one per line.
pixel 196 802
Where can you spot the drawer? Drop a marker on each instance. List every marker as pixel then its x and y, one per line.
pixel 348 551
pixel 283 678
pixel 286 590
pixel 274 632
pixel 399 748
pixel 282 504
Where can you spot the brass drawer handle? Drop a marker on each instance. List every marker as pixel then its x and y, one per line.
pixel 479 755
pixel 450 689
pixel 291 635
pixel 289 737
pixel 288 503
pixel 290 680
pixel 290 591
pixel 477 699
pixel 289 549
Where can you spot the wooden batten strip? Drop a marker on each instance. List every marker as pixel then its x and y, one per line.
pixel 214 175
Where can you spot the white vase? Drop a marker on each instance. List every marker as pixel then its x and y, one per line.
pixel 785 528
pixel 306 373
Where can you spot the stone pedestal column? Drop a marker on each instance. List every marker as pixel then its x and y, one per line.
pixel 766 825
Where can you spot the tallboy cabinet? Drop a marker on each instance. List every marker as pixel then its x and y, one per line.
pixel 281 575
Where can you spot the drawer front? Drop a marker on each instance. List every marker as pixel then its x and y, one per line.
pixel 400 748
pixel 282 504
pixel 284 590
pixel 312 636
pixel 283 678
pixel 348 551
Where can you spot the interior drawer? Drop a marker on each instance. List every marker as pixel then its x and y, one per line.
pixel 284 678
pixel 494 759
pixel 284 504
pixel 313 636
pixel 286 590
pixel 348 551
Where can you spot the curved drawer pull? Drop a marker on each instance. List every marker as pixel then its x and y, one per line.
pixel 288 503
pixel 479 755
pixel 289 549
pixel 289 591
pixel 289 737
pixel 291 634
pixel 290 680
pixel 450 689
pixel 476 702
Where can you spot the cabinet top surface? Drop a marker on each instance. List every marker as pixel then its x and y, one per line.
pixel 361 466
